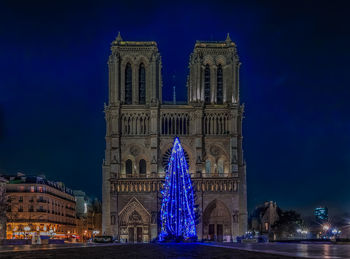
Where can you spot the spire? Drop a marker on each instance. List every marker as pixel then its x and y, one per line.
pixel 174 90
pixel 119 37
pixel 228 39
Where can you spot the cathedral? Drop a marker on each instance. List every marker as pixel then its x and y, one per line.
pixel 140 130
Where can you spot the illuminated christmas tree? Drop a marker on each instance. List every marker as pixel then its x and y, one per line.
pixel 177 212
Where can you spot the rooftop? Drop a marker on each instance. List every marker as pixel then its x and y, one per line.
pixel 120 42
pixel 215 44
pixel 31 179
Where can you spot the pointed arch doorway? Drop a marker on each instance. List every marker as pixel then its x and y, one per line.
pixel 134 223
pixel 217 222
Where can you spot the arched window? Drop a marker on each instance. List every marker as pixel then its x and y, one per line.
pixel 142 84
pixel 142 167
pixel 219 89
pixel 207 166
pixel 221 167
pixel 207 84
pixel 128 167
pixel 128 84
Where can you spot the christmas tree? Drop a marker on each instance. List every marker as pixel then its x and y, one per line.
pixel 177 211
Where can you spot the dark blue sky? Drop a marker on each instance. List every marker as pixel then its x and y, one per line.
pixel 294 83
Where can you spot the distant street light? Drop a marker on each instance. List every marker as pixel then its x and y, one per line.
pixel 26 228
pixel 326 227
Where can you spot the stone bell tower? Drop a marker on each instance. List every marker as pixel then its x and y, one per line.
pixel 214 73
pixel 213 90
pixel 135 85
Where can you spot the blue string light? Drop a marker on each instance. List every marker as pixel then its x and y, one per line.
pixel 177 211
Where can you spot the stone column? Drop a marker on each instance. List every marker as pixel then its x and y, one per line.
pixel 237 86
pixel 106 211
pixel 153 69
pixel 160 84
pixel 227 83
pixel 113 65
pixel 111 79
pixel 154 133
pixel 201 83
pixel 242 187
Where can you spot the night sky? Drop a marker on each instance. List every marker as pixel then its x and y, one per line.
pixel 294 82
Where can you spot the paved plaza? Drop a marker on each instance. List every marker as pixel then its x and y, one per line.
pixel 173 250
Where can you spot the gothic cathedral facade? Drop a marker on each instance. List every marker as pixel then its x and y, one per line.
pixel 140 129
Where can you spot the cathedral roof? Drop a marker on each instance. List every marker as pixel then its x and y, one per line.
pixel 120 42
pixel 215 44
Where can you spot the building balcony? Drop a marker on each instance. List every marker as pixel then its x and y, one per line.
pixel 43 193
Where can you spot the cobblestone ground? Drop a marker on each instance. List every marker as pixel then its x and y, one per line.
pixel 143 251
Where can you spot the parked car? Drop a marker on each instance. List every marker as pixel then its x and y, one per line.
pixel 103 239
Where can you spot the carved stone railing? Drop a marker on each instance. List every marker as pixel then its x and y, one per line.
pixel 155 185
pixel 216 123
pixel 174 123
pixel 135 123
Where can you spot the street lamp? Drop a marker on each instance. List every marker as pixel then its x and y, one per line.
pixel 51 233
pixel 26 229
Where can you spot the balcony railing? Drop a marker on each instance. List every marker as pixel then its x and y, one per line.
pixel 46 192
